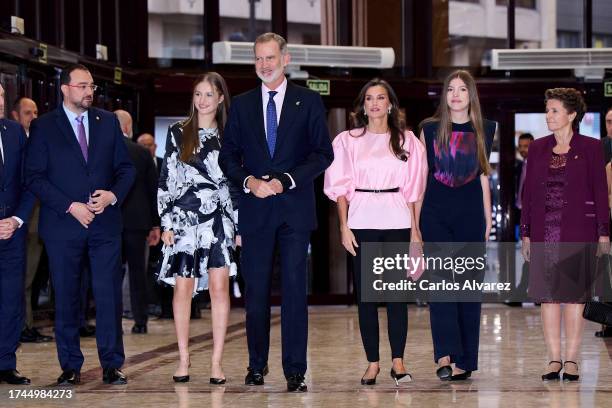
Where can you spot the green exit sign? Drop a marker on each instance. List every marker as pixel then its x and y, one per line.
pixel 608 89
pixel 321 86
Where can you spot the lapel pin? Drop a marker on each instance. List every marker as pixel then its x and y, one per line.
pixel 4 126
pixel 97 118
pixel 575 157
pixel 297 103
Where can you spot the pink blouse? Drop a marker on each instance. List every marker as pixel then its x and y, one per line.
pixel 366 162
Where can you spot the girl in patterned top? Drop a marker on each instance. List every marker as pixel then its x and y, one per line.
pixel 198 219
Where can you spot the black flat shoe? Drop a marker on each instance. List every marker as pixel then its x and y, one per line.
pixel 444 373
pixel 139 329
pixel 295 383
pixel 181 378
pixel 400 378
pixel 113 376
pixel 369 381
pixel 69 377
pixel 553 375
pixel 87 331
pixel 570 377
pixel 461 377
pixel 217 381
pixel 13 377
pixel 255 377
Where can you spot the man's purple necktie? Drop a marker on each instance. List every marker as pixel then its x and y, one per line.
pixel 81 136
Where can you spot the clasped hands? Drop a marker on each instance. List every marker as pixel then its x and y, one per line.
pixel 98 201
pixel 8 227
pixel 265 186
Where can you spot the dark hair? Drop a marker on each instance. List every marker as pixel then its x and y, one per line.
pixel 528 136
pixel 609 110
pixel 572 101
pixel 65 75
pixel 395 121
pixel 191 139
pixel 442 116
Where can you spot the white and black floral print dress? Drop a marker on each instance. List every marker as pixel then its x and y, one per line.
pixel 194 201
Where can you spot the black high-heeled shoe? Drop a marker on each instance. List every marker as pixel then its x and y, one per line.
pixel 461 377
pixel 217 381
pixel 370 381
pixel 182 378
pixel 553 375
pixel 570 377
pixel 445 373
pixel 400 378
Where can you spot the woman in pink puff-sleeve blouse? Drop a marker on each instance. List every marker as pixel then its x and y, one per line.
pixel 379 171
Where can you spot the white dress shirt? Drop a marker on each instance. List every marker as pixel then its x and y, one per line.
pixel 278 101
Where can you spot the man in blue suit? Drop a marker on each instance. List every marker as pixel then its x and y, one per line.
pixel 275 144
pixel 78 166
pixel 16 206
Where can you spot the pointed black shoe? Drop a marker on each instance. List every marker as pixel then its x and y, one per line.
pixel 570 377
pixel 217 381
pixel 461 377
pixel 444 373
pixel 69 377
pixel 553 375
pixel 180 378
pixel 255 377
pixel 400 378
pixel 369 381
pixel 13 377
pixel 295 383
pixel 113 376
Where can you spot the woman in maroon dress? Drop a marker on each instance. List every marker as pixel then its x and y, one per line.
pixel 565 214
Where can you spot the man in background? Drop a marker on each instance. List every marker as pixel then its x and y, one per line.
pixel 24 111
pixel 140 222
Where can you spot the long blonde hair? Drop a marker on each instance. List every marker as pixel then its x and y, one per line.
pixel 442 116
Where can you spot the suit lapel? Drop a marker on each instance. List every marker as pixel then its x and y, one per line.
pixel 257 112
pixel 94 128
pixel 5 157
pixel 62 122
pixel 291 105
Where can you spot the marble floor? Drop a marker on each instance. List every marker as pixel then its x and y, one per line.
pixel 512 356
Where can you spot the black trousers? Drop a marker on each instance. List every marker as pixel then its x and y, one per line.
pixel 397 312
pixel 134 249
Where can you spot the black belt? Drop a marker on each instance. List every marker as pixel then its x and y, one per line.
pixel 388 190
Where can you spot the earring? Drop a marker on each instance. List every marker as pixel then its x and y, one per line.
pixel 365 113
pixel 389 110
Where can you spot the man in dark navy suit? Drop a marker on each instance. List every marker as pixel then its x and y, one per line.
pixel 78 166
pixel 16 206
pixel 275 144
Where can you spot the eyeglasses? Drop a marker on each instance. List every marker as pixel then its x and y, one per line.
pixel 83 87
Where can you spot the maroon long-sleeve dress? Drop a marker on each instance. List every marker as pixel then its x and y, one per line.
pixel 565 211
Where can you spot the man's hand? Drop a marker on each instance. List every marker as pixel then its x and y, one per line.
pixel 8 227
pixel 276 186
pixel 260 188
pixel 100 199
pixel 82 213
pixel 154 236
